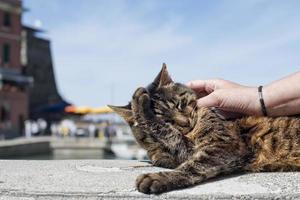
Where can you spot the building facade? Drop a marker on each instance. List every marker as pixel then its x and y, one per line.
pixel 13 82
pixel 44 99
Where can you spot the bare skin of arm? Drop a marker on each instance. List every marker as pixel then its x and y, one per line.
pixel 282 97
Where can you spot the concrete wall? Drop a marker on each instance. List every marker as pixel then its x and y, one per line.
pixel 20 147
pixel 24 147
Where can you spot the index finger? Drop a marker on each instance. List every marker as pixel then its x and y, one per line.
pixel 201 86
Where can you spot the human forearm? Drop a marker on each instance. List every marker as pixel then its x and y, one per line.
pixel 282 97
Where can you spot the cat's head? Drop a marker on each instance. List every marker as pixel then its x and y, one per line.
pixel 170 102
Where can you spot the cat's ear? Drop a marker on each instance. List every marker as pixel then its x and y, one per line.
pixel 163 78
pixel 123 111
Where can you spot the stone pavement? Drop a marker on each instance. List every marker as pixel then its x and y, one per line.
pixel 114 179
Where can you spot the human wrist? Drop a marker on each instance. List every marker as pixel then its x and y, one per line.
pixel 255 108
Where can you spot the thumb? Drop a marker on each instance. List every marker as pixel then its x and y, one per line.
pixel 210 100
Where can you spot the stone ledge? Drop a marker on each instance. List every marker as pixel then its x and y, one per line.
pixel 25 146
pixel 114 179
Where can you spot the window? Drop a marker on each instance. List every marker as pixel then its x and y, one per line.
pixel 4 113
pixel 6 53
pixel 7 19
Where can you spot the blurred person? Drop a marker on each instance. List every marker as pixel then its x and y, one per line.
pixel 106 131
pixel 110 131
pixel 28 131
pixel 280 98
pixel 92 129
pixel 54 129
pixel 42 125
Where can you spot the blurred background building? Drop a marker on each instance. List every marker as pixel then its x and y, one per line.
pixel 27 83
pixel 44 99
pixel 13 81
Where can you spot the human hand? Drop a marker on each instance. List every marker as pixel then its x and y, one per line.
pixel 230 98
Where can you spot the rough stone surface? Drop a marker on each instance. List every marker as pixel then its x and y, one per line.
pixel 114 179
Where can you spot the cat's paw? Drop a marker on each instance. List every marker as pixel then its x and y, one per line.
pixel 141 97
pixel 152 183
pixel 140 91
pixel 141 103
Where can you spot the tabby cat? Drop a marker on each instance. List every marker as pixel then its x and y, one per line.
pixel 199 144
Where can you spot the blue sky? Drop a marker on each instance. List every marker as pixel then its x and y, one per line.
pixel 103 50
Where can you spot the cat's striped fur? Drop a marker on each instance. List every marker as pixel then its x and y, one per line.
pixel 199 144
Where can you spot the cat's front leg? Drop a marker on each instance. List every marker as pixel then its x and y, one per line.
pixel 194 171
pixel 156 183
pixel 163 159
pixel 170 139
pixel 158 153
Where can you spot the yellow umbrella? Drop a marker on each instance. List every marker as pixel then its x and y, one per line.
pixel 87 110
pixel 102 110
